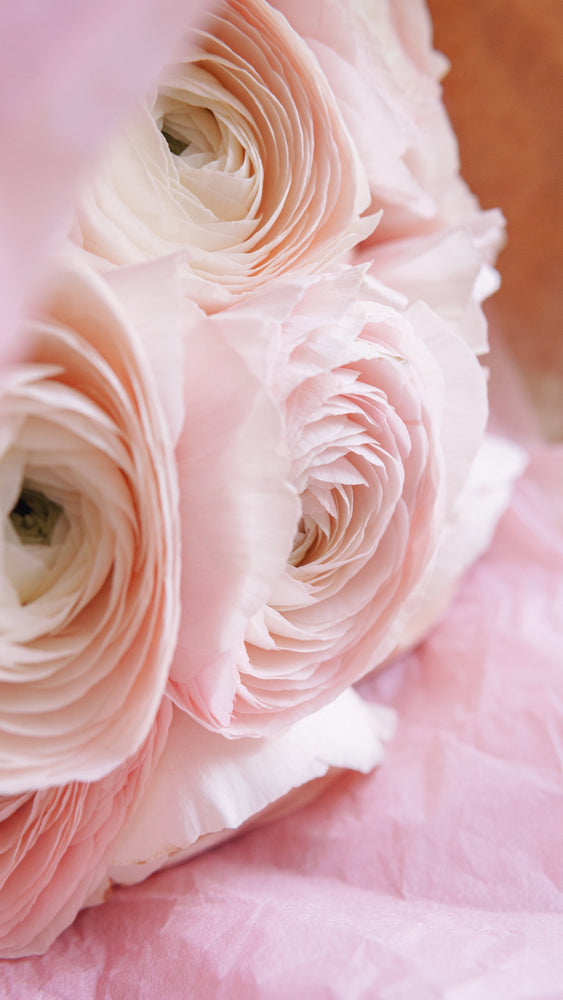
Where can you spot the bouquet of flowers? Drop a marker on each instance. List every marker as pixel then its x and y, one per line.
pixel 244 459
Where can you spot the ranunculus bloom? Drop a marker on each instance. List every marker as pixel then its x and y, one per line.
pixel 379 62
pixel 89 561
pixel 55 846
pixel 382 411
pixel 243 159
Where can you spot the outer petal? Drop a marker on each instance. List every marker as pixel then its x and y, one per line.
pixel 466 535
pixel 58 55
pixel 237 512
pixel 450 271
pixel 55 843
pixel 153 303
pixel 378 59
pixel 195 800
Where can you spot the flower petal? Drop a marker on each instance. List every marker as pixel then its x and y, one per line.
pixel 196 799
pixel 88 630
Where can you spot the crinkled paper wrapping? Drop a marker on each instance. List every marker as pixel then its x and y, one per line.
pixel 440 875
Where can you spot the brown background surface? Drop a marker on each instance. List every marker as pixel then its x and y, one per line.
pixel 504 94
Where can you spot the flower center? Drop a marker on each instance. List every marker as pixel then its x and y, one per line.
pixel 176 146
pixel 35 517
pixel 309 542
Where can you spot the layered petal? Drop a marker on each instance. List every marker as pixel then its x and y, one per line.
pixel 466 534
pixel 377 56
pixel 238 509
pixel 382 411
pixel 242 158
pixel 451 270
pixel 55 843
pixel 90 548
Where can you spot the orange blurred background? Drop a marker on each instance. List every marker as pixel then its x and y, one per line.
pixel 504 94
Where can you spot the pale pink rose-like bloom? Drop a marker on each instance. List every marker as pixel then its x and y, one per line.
pixel 90 554
pixel 241 158
pixel 378 59
pixel 382 412
pixel 55 846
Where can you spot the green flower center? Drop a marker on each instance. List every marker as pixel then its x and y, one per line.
pixel 175 146
pixel 35 517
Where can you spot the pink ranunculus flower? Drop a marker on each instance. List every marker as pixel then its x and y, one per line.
pixel 378 59
pixel 55 845
pixel 241 157
pixel 90 557
pixel 382 412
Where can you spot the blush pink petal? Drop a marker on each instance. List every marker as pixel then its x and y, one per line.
pixel 60 62
pixel 153 303
pixel 381 67
pixel 467 533
pixel 450 270
pixel 196 799
pixel 237 512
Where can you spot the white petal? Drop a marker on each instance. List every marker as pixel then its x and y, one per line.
pixel 206 785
